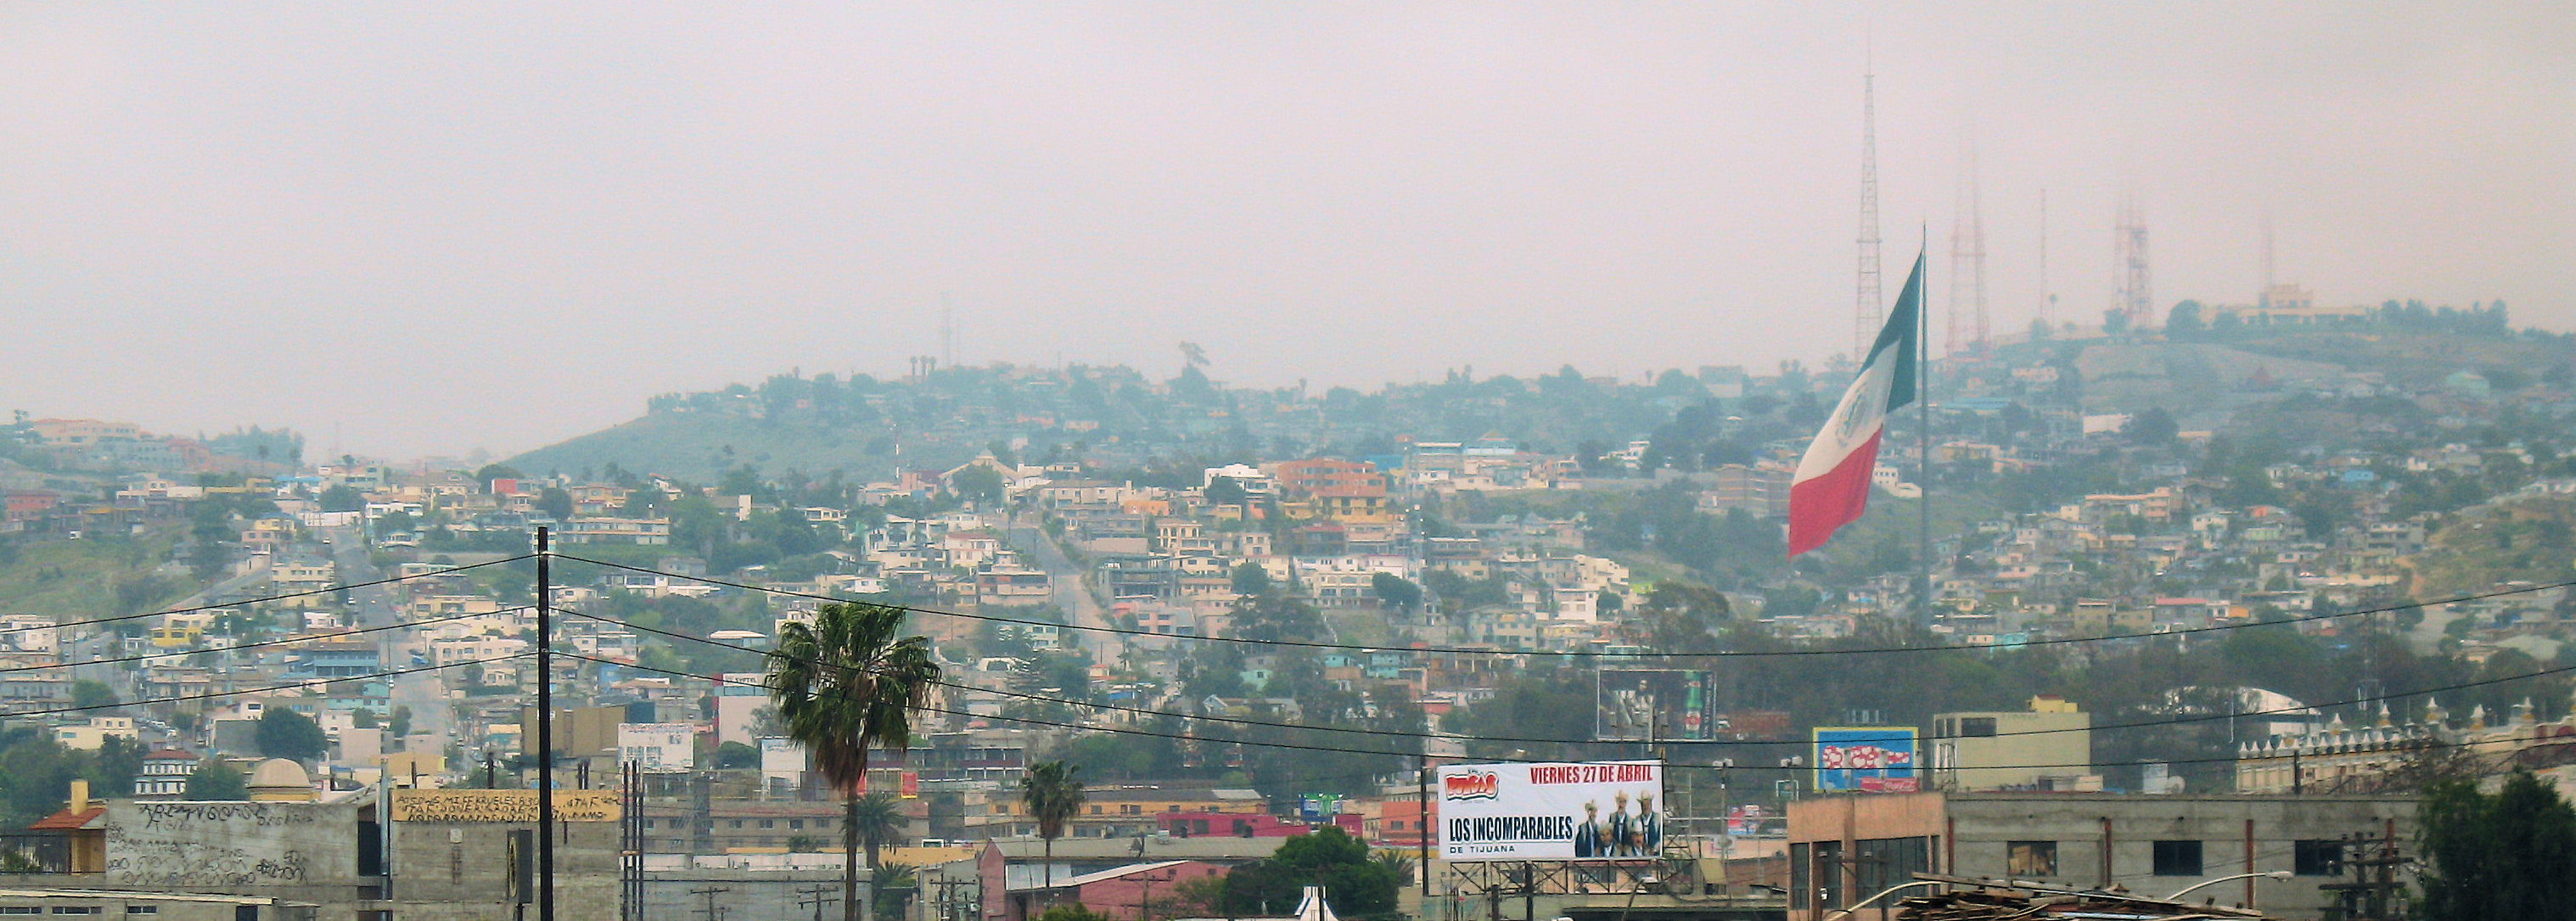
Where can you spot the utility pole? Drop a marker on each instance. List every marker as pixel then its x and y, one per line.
pixel 1422 825
pixel 711 912
pixel 948 900
pixel 817 897
pixel 546 738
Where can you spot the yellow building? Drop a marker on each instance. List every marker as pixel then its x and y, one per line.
pixel 2051 744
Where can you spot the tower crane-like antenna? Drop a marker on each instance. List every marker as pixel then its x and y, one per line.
pixel 1868 311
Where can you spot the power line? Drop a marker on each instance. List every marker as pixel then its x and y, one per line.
pixel 1590 653
pixel 290 595
pixel 276 642
pixel 2234 714
pixel 1330 749
pixel 1362 751
pixel 316 682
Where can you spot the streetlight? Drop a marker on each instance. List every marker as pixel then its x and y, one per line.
pixel 1883 893
pixel 2275 874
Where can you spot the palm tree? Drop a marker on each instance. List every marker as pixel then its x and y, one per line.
pixel 890 885
pixel 1052 791
pixel 880 821
pixel 844 683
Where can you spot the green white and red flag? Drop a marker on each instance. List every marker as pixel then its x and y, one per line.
pixel 1831 488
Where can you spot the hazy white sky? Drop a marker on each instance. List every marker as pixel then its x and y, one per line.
pixel 444 226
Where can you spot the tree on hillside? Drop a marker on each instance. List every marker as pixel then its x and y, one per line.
pixel 978 484
pixel 553 500
pixel 1678 617
pixel 2498 856
pixel 1327 857
pixel 1397 591
pixel 2152 427
pixel 1250 579
pixel 844 682
pixel 92 694
pixel 287 734
pixel 213 780
pixel 343 498
pixel 2183 321
pixel 1539 702
pixel 1275 616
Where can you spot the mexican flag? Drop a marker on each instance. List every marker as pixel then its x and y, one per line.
pixel 1831 488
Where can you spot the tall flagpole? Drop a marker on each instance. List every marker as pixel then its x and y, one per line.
pixel 1923 423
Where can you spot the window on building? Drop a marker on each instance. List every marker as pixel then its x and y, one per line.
pixel 1095 810
pixel 2316 858
pixel 769 823
pixel 143 909
pixel 648 823
pixel 737 823
pixel 2030 859
pixel 1976 726
pixel 21 910
pixel 2177 858
pixel 1884 862
pixel 75 909
pixel 796 825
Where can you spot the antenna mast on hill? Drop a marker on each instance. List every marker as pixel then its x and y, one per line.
pixel 947 333
pixel 2264 297
pixel 1968 266
pixel 1868 311
pixel 2137 286
pixel 2045 299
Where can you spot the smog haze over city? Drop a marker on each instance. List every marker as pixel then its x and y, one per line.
pixel 1405 461
pixel 422 230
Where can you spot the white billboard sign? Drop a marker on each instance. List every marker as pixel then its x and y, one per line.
pixel 782 759
pixel 1553 811
pixel 658 748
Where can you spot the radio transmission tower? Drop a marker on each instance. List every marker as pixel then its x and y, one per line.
pixel 2046 300
pixel 1968 266
pixel 2137 285
pixel 1868 311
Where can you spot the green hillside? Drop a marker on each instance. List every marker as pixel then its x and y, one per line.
pixel 700 447
pixel 2218 378
pixel 85 579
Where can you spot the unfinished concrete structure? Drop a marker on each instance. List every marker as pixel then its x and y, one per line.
pixel 1844 848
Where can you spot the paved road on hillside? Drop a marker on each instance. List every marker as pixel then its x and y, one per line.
pixel 1072 590
pixel 433 710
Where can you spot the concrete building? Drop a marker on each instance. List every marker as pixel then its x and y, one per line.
pixel 162 906
pixel 1844 848
pixel 2050 745
pixel 448 855
pixel 165 774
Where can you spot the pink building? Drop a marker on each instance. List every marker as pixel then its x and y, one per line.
pixel 1126 892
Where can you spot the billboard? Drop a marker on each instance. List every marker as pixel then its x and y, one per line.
pixel 658 748
pixel 1554 811
pixel 782 759
pixel 1641 704
pixel 1868 759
